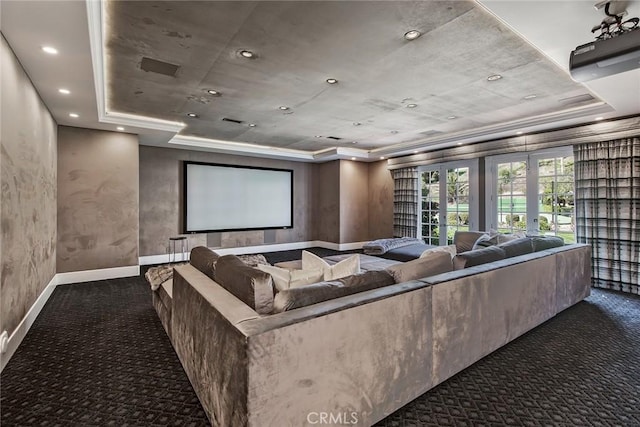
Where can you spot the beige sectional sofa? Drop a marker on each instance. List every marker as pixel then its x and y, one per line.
pixel 355 359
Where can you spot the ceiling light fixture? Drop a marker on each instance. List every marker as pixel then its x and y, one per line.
pixel 252 125
pixel 415 151
pixel 412 35
pixel 120 128
pixel 381 157
pixel 50 50
pixel 213 92
pixel 357 123
pixel 459 143
pixel 74 115
pixel 247 54
pixel 412 105
pixel 64 91
pixel 519 132
pixel 394 132
pixel 318 136
pixel 283 108
pixel 354 142
pixel 494 77
pixel 192 115
pixel 332 81
pixel 530 97
pixel 598 119
pixel 353 158
pixel 452 117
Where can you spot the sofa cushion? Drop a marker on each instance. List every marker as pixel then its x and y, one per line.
pixel 494 238
pixel 450 249
pixel 541 243
pixel 292 298
pixel 464 240
pixel 254 260
pixel 204 259
pixel 478 257
pixel 517 247
pixel 248 284
pixel 435 263
pixel 284 278
pixel 341 269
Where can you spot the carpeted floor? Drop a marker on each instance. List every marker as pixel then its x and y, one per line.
pixel 98 356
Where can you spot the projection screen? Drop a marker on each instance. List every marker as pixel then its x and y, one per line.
pixel 227 198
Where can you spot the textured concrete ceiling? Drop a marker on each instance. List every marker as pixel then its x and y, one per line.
pixel 300 44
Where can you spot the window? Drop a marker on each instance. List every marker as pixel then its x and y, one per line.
pixel 532 192
pixel 448 200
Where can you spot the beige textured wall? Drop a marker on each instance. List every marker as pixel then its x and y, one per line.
pixel 380 201
pixel 326 203
pixel 28 202
pixel 97 199
pixel 161 203
pixel 354 201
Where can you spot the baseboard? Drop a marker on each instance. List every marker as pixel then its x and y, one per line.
pixel 98 274
pixel 242 250
pixel 21 331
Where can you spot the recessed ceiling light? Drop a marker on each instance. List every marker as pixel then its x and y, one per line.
pixel 412 35
pixel 353 158
pixel 494 77
pixel 213 92
pixel 452 117
pixel 459 143
pixel 599 118
pixel 193 115
pixel 412 105
pixel 354 142
pixel 415 151
pixel 64 91
pixel 394 132
pixel 74 115
pixel 283 108
pixel 252 125
pixel 519 132
pixel 120 128
pixel 247 54
pixel 318 136
pixel 50 50
pixel 357 123
pixel 530 97
pixel 381 157
pixel 332 81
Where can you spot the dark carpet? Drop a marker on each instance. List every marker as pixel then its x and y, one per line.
pixel 98 356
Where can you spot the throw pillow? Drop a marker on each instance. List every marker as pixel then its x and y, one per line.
pixel 285 279
pixel 450 249
pixel 493 239
pixel 342 269
pixel 436 263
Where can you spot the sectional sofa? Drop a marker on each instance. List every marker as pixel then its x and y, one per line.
pixel 357 358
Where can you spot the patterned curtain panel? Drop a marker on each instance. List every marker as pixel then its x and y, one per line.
pixel 405 202
pixel 607 197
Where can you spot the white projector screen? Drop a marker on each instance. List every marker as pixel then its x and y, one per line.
pixel 226 198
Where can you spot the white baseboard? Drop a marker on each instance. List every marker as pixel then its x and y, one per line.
pixel 242 250
pixel 21 331
pixel 99 274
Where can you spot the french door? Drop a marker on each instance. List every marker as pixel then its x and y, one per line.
pixel 448 200
pixel 532 193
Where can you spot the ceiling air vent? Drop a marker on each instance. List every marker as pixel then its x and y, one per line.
pixel 225 119
pixel 579 99
pixel 159 67
pixel 334 138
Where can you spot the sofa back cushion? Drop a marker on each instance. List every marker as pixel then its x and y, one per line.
pixel 303 296
pixel 248 284
pixel 464 240
pixel 520 246
pixel 284 278
pixel 204 259
pixel 541 243
pixel 478 257
pixel 435 263
pixel 450 249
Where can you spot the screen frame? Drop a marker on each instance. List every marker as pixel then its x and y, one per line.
pixel 185 165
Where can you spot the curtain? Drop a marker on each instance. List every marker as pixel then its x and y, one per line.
pixel 607 197
pixel 405 202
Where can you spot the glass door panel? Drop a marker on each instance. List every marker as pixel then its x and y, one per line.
pixel 430 207
pixel 512 196
pixel 556 214
pixel 457 209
